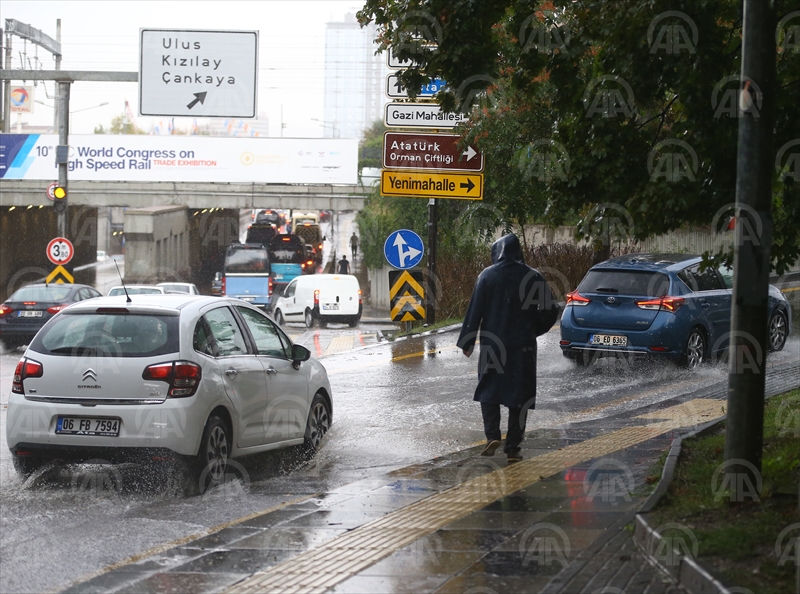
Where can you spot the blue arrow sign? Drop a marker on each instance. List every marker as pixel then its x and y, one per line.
pixel 403 249
pixel 396 90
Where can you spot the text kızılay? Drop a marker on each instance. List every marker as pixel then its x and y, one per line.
pixel 197 65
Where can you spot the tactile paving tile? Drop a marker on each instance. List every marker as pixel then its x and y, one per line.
pixel 320 569
pixel 339 344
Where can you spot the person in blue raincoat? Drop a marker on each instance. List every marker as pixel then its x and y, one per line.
pixel 511 305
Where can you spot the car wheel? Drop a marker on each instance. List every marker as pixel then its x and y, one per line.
pixel 323 323
pixel 26 466
pixel 319 421
pixel 777 331
pixel 353 322
pixel 695 352
pixel 309 319
pixel 279 317
pixel 215 449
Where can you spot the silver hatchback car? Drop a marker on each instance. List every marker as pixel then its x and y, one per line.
pixel 200 379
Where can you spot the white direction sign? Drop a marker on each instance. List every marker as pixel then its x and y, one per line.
pixel 197 73
pixel 420 115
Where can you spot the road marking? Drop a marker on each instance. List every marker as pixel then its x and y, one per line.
pixel 183 540
pixel 790 290
pixel 344 556
pixel 340 344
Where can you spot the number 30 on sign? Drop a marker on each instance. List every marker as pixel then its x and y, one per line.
pixel 60 250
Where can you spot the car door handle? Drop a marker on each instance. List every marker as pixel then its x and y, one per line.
pixel 271 370
pixel 231 372
pixel 706 305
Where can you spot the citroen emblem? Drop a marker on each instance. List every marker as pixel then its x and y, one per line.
pixel 611 300
pixel 89 374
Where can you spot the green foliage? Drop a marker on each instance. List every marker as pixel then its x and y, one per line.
pixel 613 123
pixel 370 149
pixel 120 125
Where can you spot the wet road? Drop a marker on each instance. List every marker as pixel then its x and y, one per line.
pixel 394 404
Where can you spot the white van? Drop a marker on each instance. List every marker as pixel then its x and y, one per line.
pixel 320 298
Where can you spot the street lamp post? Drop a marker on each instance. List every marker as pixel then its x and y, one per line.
pixel 326 124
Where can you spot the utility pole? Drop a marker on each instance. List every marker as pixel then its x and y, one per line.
pixel 753 237
pixel 430 289
pixel 58 67
pixel 7 88
pixel 62 152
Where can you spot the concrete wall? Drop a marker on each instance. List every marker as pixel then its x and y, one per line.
pixel 157 244
pixel 379 288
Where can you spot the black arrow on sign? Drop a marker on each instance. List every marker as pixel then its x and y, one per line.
pixel 198 97
pixel 469 185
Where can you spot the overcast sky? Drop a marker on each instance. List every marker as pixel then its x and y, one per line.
pixel 105 36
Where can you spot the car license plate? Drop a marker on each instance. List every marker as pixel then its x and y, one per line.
pixel 247 298
pixel 30 313
pixel 331 307
pixel 88 426
pixel 608 340
pixel 278 276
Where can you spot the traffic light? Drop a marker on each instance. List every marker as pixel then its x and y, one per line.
pixel 60 199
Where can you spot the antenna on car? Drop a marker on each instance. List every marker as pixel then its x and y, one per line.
pixel 127 297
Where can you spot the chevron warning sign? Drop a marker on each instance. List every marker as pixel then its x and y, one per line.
pixel 407 295
pixel 59 275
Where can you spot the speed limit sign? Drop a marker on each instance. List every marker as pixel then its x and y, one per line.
pixel 60 250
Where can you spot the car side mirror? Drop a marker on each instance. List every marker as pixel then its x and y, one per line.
pixel 300 354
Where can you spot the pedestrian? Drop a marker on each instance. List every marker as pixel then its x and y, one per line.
pixel 510 306
pixel 344 265
pixel 354 244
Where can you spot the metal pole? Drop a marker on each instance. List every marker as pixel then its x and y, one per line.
pixel 63 159
pixel 7 89
pixel 430 297
pixel 58 67
pixel 748 342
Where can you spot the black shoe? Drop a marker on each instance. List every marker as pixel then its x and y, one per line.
pixel 491 448
pixel 514 456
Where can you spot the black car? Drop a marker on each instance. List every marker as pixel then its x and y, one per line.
pixel 29 308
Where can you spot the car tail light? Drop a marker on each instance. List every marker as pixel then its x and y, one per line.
pixel 658 349
pixel 359 296
pixel 269 286
pixel 25 368
pixel 5 309
pixel 320 247
pixel 303 265
pixel 54 309
pixel 29 302
pixel 576 298
pixel 666 303
pixel 316 297
pixel 310 263
pixel 183 377
pixel 563 342
pixel 222 287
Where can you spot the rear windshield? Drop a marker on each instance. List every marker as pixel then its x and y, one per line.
pixel 110 335
pixel 135 291
pixel 250 260
pixel 178 288
pixel 260 235
pixel 49 293
pixel 625 282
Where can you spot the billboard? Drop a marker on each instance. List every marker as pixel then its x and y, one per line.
pixel 141 158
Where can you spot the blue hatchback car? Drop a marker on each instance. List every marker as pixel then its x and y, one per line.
pixel 658 305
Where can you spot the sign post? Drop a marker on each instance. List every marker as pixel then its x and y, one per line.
pixel 198 73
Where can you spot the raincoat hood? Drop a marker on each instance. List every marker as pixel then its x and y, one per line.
pixel 507 249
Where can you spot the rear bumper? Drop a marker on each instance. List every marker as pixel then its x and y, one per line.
pixel 78 454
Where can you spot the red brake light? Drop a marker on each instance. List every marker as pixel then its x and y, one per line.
pixel 359 296
pixel 183 377
pixel 5 309
pixel 285 238
pixel 29 302
pixel 316 297
pixel 25 368
pixel 320 246
pixel 55 308
pixel 269 288
pixel 222 287
pixel 576 298
pixel 667 303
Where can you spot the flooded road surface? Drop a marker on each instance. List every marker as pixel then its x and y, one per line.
pixel 394 404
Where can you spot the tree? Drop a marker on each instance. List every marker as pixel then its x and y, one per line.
pixel 120 125
pixel 638 97
pixel 370 149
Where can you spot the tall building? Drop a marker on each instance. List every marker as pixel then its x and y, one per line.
pixel 354 79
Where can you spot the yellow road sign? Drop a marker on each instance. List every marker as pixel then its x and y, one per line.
pixel 407 295
pixel 59 276
pixel 421 184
